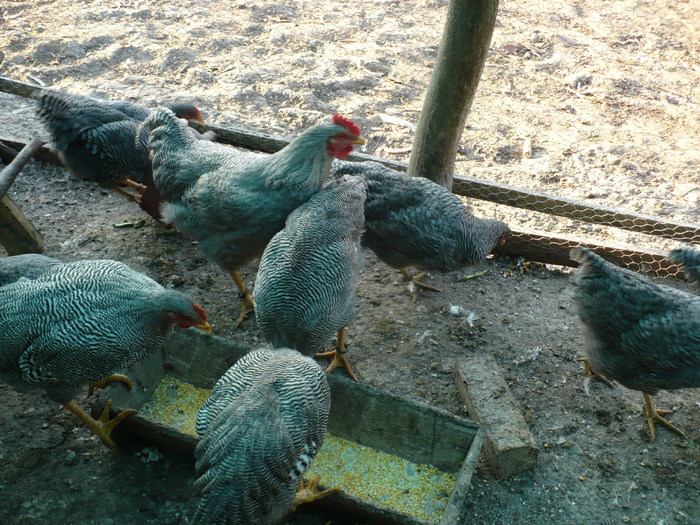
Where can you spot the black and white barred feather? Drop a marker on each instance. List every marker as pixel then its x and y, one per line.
pixel 80 322
pixel 643 334
pixel 690 260
pixel 412 221
pixel 260 429
pixel 28 265
pixel 100 140
pixel 307 280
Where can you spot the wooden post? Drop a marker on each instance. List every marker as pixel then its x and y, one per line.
pixel 465 43
pixel 17 235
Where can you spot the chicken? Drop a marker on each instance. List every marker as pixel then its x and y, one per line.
pixel 690 260
pixel 29 265
pixel 260 429
pixel 80 323
pixel 307 280
pixel 642 334
pixel 233 202
pixel 412 221
pixel 100 141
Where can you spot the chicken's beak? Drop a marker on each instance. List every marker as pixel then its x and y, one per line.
pixel 199 119
pixel 359 140
pixel 205 327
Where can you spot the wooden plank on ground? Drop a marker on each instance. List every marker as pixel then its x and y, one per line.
pixel 17 235
pixel 510 446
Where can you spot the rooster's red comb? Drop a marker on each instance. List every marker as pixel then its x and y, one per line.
pixel 201 312
pixel 340 120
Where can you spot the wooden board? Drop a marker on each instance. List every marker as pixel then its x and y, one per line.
pixel 413 431
pixel 17 235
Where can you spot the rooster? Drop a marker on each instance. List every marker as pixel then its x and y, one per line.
pixel 80 323
pixel 233 202
pixel 100 141
pixel 412 221
pixel 642 334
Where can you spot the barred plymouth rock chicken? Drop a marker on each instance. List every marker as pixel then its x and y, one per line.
pixel 233 202
pixel 80 323
pixel 28 265
pixel 412 221
pixel 642 334
pixel 306 285
pixel 690 260
pixel 260 429
pixel 100 141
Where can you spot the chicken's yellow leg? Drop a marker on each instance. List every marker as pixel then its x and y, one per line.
pixel 308 492
pixel 414 281
pixel 248 305
pixel 338 356
pixel 588 372
pixel 137 186
pixel 654 416
pixel 121 378
pixel 103 426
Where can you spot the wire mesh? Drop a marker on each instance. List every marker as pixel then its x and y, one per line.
pixel 645 251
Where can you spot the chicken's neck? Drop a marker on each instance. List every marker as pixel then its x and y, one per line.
pixel 304 163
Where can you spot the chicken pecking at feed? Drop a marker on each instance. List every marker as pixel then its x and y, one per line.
pixel 100 141
pixel 690 260
pixel 307 281
pixel 28 265
pixel 642 334
pixel 233 202
pixel 260 429
pixel 412 221
pixel 80 323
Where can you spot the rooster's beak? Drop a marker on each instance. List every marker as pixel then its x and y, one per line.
pixel 205 327
pixel 359 140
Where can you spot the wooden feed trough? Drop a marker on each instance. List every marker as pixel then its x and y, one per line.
pixel 415 432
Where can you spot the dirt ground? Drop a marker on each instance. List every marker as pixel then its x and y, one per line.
pixel 605 93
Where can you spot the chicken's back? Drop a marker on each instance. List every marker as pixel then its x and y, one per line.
pixel 96 139
pixel 414 221
pixel 28 265
pixel 265 421
pixel 642 334
pixel 307 280
pixel 80 322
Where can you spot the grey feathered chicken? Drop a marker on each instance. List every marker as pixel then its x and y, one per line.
pixel 690 260
pixel 260 429
pixel 642 334
pixel 233 202
pixel 412 221
pixel 29 265
pixel 101 141
pixel 80 323
pixel 307 281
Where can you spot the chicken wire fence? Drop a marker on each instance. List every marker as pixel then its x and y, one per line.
pixel 653 233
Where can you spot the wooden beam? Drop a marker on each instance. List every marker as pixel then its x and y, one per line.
pixel 10 172
pixel 17 235
pixel 17 87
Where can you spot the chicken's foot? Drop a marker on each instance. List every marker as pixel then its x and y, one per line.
pixel 102 427
pixel 654 416
pixel 588 373
pixel 140 188
pixel 247 305
pixel 415 281
pixel 338 356
pixel 307 491
pixel 114 378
